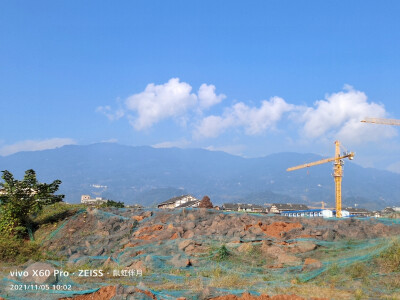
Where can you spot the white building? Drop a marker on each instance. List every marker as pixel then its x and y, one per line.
pixel 86 199
pixel 179 202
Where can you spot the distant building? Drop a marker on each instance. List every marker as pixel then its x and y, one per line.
pixel 377 214
pixel 311 213
pixel 135 206
pixel 244 207
pixel 193 203
pixel 86 199
pixel 179 201
pixel 345 213
pixel 390 211
pixel 279 208
pixel 358 212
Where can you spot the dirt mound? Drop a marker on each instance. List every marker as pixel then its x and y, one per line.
pixel 121 235
pixel 177 249
pixel 105 293
pixel 277 229
pixel 248 296
pixel 108 292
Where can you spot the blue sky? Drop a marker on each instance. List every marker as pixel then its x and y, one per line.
pixel 250 78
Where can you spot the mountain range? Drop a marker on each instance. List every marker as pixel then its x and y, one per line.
pixel 147 176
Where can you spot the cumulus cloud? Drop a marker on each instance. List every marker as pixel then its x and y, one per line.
pixel 207 96
pixel 254 120
pixel 158 102
pixel 339 116
pixel 34 145
pixel 173 99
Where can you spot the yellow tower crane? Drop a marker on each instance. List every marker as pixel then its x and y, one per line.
pixel 337 173
pixel 382 121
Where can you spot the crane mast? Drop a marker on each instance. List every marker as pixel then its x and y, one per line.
pixel 337 173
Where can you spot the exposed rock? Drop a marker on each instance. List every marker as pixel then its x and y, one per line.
pixel 272 250
pixel 248 296
pixel 311 264
pixel 188 234
pixel 191 217
pixel 329 235
pixel 182 245
pixel 138 218
pixel 245 247
pixel 138 265
pixel 180 262
pixel 176 235
pixel 303 246
pixel 277 229
pixel 287 259
pixel 109 263
pixel 40 273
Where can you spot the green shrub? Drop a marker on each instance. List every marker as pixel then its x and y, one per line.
pixel 334 270
pixel 13 249
pixel 54 213
pixel 222 253
pixel 112 203
pixel 358 270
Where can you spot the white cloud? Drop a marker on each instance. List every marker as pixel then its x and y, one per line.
pixel 112 140
pixel 231 149
pixel 170 144
pixel 339 116
pixel 394 167
pixel 173 99
pixel 107 111
pixel 34 145
pixel 254 120
pixel 207 96
pixel 158 102
pixel 213 126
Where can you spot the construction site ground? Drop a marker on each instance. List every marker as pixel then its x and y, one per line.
pixel 210 254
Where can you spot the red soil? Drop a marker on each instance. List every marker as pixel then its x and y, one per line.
pixel 248 296
pixel 105 293
pixel 276 229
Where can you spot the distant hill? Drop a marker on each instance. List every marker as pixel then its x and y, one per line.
pixel 149 175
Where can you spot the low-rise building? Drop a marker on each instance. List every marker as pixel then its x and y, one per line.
pixel 86 199
pixel 177 201
pixel 193 203
pixel 325 213
pixel 244 207
pixel 358 212
pixel 279 208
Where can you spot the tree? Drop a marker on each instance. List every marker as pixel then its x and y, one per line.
pixel 112 203
pixel 206 203
pixel 20 199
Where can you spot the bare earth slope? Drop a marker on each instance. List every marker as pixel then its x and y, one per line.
pixel 201 254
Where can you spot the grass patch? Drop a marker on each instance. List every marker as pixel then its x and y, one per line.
pixel 16 250
pixel 56 212
pixel 230 281
pixel 310 290
pixel 222 253
pixel 389 260
pixel 358 271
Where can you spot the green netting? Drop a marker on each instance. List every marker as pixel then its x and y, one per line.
pixel 112 239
